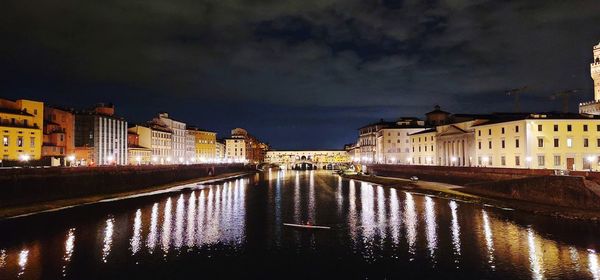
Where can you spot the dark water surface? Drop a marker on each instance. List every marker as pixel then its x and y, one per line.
pixel 234 230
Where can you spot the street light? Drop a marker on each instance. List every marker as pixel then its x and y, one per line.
pixel 408 160
pixel 24 157
pixel 110 159
pixel 71 159
pixel 138 159
pixel 453 160
pixel 528 160
pixel 590 159
pixel 485 160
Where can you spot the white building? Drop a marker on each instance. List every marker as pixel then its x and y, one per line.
pixel 103 133
pixel 178 141
pixel 235 149
pixel 190 147
pixel 219 150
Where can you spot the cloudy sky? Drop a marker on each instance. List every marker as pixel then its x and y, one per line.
pixel 298 74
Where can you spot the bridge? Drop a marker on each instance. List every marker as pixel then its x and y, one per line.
pixel 318 159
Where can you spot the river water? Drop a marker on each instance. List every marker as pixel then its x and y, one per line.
pixel 233 229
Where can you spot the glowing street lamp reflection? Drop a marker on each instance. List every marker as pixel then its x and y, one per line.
pixel 69 246
pixel 455 230
pixel 137 232
pixel 23 258
pixel 108 239
pixel 410 216
pixel 487 231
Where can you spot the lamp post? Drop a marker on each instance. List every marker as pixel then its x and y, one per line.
pixel 528 160
pixel 453 160
pixel 485 161
pixel 24 158
pixel 71 160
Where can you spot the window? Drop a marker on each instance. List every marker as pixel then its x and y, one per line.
pixel 479 131
pixel 32 142
pixel 503 144
pixel 479 160
pixel 479 144
pixel 598 142
pixel 539 127
pixel 556 142
pixel 5 141
pixel 490 144
pixel 569 142
pixel 20 141
pixel 586 143
pixel 517 160
pixel 503 160
pixel 541 160
pixel 503 130
pixel 585 127
pixel 569 127
pixel 490 131
pixel 556 127
pixel 556 160
pixel 516 143
pixel 598 127
pixel 517 128
pixel 540 142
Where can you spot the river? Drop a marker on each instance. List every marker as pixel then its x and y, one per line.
pixel 233 229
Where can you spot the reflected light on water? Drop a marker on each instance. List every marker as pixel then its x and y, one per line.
pixel 137 232
pixel 69 246
pixel 2 258
pixel 352 217
pixel 394 219
pixel 191 219
pixel 574 255
pixel 593 264
pixel 151 241
pixel 311 197
pixel 410 216
pixel 455 231
pixel 381 217
pixel 430 225
pixel 489 241
pixel 23 258
pixel 108 238
pixel 535 257
pixel 166 227
pixel 179 222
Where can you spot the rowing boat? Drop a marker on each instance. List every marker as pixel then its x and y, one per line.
pixel 306 226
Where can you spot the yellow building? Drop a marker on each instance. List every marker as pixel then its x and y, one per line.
pixel 205 144
pixel 423 146
pixel 540 141
pixel 21 125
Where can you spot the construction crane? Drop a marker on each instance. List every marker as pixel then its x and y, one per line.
pixel 516 92
pixel 565 94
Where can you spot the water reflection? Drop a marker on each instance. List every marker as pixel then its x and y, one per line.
pixel 108 239
pixel 136 239
pixel 455 231
pixel 489 241
pixel 372 226
pixel 69 246
pixel 593 264
pixel 534 257
pixel 410 216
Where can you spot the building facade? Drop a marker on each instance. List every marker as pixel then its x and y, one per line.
pixel 137 154
pixel 367 140
pixel 59 133
pixel 235 149
pixel 21 125
pixel 219 150
pixel 423 144
pixel 157 137
pixel 593 107
pixel 253 150
pixel 204 144
pixel 178 136
pixel 393 142
pixel 100 137
pixel 540 141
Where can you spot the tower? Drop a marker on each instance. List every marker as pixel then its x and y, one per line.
pixel 595 72
pixel 593 107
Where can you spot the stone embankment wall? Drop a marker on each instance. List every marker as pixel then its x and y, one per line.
pixel 579 190
pixel 35 185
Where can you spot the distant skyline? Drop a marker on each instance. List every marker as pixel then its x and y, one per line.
pixel 302 74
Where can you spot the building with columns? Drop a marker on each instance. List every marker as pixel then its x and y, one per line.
pixel 593 107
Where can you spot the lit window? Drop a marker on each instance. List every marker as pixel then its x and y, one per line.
pixel 569 142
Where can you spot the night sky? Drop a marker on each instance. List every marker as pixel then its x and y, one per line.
pixel 297 74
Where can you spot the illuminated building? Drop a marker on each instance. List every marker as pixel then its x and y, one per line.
pixel 59 134
pixel 393 142
pixel 541 141
pixel 219 150
pixel 137 154
pixel 158 138
pixel 178 136
pixel 21 125
pixel 100 136
pixel 204 144
pixel 243 146
pixel 593 107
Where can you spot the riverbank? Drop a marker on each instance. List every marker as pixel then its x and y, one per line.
pixel 463 193
pixel 8 212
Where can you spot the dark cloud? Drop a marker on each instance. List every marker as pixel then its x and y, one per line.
pixel 290 70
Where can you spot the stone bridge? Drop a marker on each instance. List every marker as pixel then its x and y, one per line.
pixel 319 159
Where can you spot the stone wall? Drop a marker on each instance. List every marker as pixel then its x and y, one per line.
pixel 34 185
